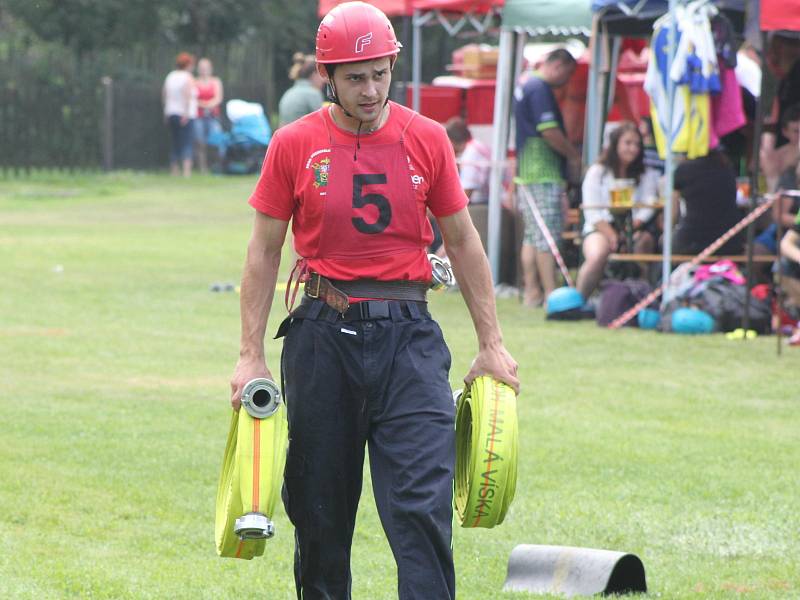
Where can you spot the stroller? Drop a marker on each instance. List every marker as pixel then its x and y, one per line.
pixel 241 150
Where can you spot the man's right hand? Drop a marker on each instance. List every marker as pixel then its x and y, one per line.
pixel 246 370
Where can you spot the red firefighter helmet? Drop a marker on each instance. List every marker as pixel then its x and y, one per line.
pixel 354 32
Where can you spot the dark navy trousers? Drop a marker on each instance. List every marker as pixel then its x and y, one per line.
pixel 377 383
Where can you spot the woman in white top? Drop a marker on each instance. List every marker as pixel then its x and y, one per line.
pixel 179 96
pixel 622 159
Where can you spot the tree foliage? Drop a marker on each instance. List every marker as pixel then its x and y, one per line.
pixel 86 25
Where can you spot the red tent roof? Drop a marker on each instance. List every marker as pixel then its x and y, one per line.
pixel 459 6
pixel 395 8
pixel 780 14
pixel 392 8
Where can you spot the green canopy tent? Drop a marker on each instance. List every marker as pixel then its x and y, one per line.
pixel 520 20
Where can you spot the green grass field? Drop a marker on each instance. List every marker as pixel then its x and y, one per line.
pixel 114 367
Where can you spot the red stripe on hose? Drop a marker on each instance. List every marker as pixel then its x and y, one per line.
pixel 485 486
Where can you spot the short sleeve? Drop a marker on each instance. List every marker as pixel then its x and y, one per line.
pixel 274 191
pixel 593 194
pixel 541 106
pixel 445 195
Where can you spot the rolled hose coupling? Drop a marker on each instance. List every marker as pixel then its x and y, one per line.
pixel 486 452
pixel 441 273
pixel 252 472
pixel 253 526
pixel 261 398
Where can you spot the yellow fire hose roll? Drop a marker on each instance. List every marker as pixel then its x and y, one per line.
pixel 252 472
pixel 486 452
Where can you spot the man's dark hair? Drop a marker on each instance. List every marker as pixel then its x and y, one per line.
pixel 561 55
pixel 457 130
pixel 790 115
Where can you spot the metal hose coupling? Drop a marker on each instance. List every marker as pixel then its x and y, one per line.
pixel 441 273
pixel 254 526
pixel 261 398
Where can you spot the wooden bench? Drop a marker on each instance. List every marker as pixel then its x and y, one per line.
pixel 680 258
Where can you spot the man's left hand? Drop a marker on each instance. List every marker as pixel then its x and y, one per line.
pixel 495 362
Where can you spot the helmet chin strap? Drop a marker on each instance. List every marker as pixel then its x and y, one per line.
pixel 334 98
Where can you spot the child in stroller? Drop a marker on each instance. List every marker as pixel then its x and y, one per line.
pixel 241 150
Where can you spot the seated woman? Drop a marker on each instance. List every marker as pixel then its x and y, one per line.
pixel 622 159
pixel 707 186
pixel 784 211
pixel 776 161
pixel 790 267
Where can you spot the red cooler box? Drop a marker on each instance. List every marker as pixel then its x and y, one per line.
pixel 480 102
pixel 439 103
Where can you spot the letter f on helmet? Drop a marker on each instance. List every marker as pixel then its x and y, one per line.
pixel 364 40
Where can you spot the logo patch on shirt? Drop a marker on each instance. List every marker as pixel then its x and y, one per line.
pixel 321 170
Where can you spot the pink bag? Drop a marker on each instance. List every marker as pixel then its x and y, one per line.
pixel 722 268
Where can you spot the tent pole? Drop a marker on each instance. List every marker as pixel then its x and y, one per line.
pixel 591 124
pixel 669 167
pixel 416 69
pixel 502 97
pixel 754 176
pixel 406 75
pixel 616 45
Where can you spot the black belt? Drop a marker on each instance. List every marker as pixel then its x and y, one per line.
pixel 337 293
pixel 366 310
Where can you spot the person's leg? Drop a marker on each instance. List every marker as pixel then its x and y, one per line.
pixel 596 250
pixel 412 455
pixel 548 200
pixel 200 147
pixel 546 268
pixel 791 290
pixel 174 124
pixel 531 287
pixel 324 462
pixel 532 292
pixel 644 243
pixel 186 147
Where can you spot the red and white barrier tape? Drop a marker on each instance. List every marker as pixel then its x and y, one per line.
pixel 713 247
pixel 546 232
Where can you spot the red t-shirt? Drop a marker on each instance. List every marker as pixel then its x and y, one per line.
pixel 295 174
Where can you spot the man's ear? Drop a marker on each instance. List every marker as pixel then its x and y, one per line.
pixel 322 72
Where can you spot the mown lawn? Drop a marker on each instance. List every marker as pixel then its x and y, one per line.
pixel 114 366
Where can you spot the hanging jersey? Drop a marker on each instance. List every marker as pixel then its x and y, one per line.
pixel 691 131
pixel 298 178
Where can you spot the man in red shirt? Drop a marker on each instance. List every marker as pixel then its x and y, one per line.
pixel 363 363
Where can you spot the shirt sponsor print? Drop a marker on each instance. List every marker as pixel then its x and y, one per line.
pixel 321 165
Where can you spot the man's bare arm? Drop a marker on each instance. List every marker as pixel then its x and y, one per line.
pixel 556 139
pixel 257 290
pixel 789 247
pixel 471 268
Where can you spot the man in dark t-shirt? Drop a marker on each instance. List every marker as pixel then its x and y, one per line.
pixel 543 155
